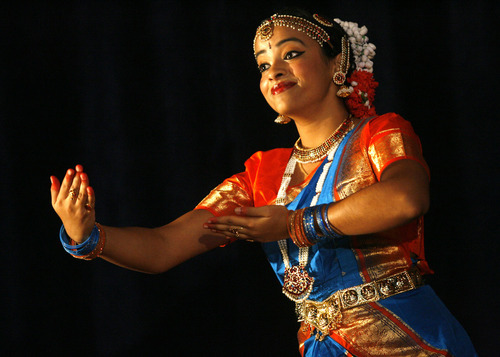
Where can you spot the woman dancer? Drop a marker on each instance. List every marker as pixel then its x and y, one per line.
pixel 339 215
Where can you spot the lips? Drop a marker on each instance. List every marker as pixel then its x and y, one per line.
pixel 281 87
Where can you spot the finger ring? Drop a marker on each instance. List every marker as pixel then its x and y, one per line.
pixel 250 240
pixel 88 207
pixel 73 193
pixel 236 231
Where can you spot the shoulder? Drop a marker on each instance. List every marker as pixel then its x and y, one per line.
pixel 387 121
pixel 264 164
pixel 269 157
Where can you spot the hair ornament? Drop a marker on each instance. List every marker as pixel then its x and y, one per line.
pixel 362 83
pixel 322 20
pixel 265 30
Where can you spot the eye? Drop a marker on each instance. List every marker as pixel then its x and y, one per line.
pixel 293 54
pixel 263 67
pixel 288 56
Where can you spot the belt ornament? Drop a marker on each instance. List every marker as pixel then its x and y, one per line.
pixel 326 315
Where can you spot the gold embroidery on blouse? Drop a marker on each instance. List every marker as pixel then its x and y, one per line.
pixel 390 146
pixel 381 257
pixel 360 169
pixel 225 198
pixel 355 171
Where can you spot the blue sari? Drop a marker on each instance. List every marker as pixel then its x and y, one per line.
pixel 419 322
pixel 413 323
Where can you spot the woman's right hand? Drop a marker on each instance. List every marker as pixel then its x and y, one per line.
pixel 74 202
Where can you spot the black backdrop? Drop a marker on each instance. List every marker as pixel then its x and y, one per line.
pixel 159 101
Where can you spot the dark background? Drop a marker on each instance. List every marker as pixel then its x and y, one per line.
pixel 159 101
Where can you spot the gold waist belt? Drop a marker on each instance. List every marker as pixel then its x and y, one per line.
pixel 327 315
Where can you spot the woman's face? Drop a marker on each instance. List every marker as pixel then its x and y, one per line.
pixel 296 76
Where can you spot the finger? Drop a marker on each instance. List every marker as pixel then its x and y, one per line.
pixel 74 191
pixel 240 234
pixel 235 232
pixel 226 229
pixel 230 221
pixel 222 228
pixel 66 183
pixel 252 211
pixel 217 228
pixel 241 211
pixel 54 188
pixel 218 232
pixel 79 168
pixel 84 183
pixel 90 199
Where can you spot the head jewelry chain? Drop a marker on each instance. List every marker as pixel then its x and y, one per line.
pixel 266 29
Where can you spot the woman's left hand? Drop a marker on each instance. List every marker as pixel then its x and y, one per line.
pixel 254 224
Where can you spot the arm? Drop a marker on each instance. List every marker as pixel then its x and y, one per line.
pixel 148 250
pixel 401 195
pixel 159 249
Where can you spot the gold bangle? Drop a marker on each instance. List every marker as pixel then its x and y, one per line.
pixel 290 225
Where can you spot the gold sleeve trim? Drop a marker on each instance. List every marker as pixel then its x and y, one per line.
pixel 392 145
pixel 223 199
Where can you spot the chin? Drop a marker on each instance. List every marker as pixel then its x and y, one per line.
pixel 285 109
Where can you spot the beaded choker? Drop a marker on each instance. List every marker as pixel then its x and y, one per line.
pixel 306 156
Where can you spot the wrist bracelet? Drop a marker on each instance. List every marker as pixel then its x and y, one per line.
pixel 291 225
pixel 309 226
pixel 297 229
pixel 324 223
pixel 90 249
pixel 306 226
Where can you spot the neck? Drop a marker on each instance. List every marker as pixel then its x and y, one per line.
pixel 313 132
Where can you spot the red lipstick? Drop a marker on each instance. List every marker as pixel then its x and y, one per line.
pixel 281 87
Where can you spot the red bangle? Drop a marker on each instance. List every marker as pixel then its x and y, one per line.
pixel 99 247
pixel 298 234
pixel 290 225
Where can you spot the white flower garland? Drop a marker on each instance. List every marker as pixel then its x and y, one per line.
pixel 363 53
pixel 362 50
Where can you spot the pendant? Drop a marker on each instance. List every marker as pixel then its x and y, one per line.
pixel 297 284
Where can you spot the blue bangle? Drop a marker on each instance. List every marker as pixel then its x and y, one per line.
pixel 324 223
pixel 320 220
pixel 309 228
pixel 80 249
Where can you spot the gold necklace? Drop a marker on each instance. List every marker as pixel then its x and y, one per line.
pixel 297 283
pixel 307 156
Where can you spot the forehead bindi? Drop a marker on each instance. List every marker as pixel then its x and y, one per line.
pixel 281 37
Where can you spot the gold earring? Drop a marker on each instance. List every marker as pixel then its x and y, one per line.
pixel 344 91
pixel 282 119
pixel 339 77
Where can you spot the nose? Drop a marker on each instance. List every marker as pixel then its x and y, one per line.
pixel 276 71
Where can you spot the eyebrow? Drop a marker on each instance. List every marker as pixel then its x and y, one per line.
pixel 295 39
